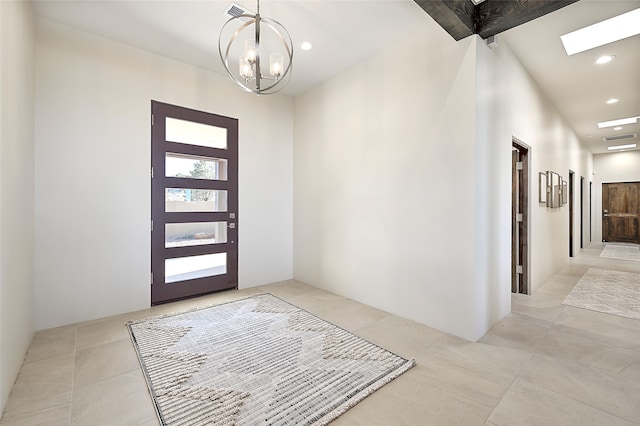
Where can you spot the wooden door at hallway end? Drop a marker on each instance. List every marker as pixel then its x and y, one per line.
pixel 621 212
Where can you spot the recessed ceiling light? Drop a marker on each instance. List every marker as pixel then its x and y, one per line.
pixel 605 32
pixel 612 101
pixel 605 59
pixel 617 128
pixel 620 122
pixel 306 45
pixel 613 148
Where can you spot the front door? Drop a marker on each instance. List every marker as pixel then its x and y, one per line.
pixel 621 212
pixel 194 202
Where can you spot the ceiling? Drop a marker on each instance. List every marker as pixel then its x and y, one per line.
pixel 345 32
pixel 574 84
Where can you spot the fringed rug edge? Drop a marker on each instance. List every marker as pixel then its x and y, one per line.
pixel 347 405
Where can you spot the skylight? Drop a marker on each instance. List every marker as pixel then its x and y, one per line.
pixel 605 32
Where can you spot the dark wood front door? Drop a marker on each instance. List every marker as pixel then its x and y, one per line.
pixel 194 202
pixel 621 212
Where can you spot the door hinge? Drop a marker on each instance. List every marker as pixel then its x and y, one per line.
pixel 152 225
pixel 518 269
pixel 518 218
pixel 152 119
pixel 152 278
pixel 519 165
pixel 152 173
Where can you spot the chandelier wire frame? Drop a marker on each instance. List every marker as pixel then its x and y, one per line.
pixel 257 81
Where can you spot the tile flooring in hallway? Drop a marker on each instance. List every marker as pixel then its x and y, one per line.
pixel 543 364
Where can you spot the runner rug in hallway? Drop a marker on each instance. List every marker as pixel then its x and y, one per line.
pixel 611 292
pixel 612 251
pixel 255 361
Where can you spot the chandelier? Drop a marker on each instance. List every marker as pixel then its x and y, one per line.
pixel 263 38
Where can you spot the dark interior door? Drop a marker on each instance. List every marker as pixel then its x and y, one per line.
pixel 581 212
pixel 620 212
pixel 194 202
pixel 571 184
pixel 519 218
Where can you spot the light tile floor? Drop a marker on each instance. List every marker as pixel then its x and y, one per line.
pixel 543 364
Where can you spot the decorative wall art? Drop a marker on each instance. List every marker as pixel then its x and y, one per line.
pixel 543 188
pixel 552 189
pixel 555 186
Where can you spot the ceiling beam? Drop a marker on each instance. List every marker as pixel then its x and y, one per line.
pixel 496 16
pixel 454 16
pixel 460 18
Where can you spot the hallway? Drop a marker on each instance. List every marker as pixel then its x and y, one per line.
pixel 543 364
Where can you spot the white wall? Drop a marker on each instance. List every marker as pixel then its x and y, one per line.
pixel 384 193
pixel 608 168
pixel 16 190
pixel 92 154
pixel 402 183
pixel 493 139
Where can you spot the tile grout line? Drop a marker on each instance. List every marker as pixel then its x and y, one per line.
pixel 73 374
pixel 501 398
pixel 576 400
pixel 537 352
pixel 522 366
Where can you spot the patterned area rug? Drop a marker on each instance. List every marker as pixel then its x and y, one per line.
pixel 255 361
pixel 613 251
pixel 611 292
